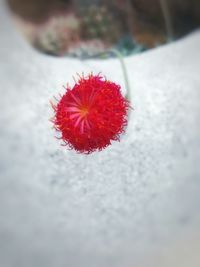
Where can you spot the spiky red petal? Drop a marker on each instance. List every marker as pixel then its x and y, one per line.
pixel 91 114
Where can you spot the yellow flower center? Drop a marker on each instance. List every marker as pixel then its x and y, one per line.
pixel 84 111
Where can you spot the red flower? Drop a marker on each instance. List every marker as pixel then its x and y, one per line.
pixel 91 114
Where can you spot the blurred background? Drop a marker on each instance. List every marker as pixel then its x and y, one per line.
pixel 85 28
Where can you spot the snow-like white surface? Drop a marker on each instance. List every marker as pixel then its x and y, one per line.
pixel 135 204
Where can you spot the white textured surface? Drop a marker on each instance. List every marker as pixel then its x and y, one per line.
pixel 135 204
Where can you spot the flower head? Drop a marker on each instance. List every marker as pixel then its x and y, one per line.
pixel 91 114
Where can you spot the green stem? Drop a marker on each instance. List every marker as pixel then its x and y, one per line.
pixel 168 19
pixel 124 70
pixel 129 12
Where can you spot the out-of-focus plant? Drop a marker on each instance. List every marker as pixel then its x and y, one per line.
pixel 58 34
pixel 94 30
pixel 101 23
